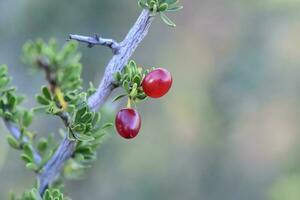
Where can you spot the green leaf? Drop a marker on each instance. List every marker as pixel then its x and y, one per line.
pixel 53 109
pixel 86 118
pixel 163 7
pixel 166 20
pixel 97 118
pixel 28 150
pixel 27 118
pixel 118 76
pixel 79 127
pixel 32 166
pixel 4 81
pixel 46 157
pixel 170 2
pixel 35 194
pixel 143 4
pixel 107 125
pixel 175 8
pixel 137 79
pixel 12 100
pixel 119 97
pixel 126 85
pixel 42 145
pixel 3 70
pixel 84 138
pixel 46 93
pixel 42 100
pixel 13 142
pixel 133 92
pixel 40 109
pixel 26 158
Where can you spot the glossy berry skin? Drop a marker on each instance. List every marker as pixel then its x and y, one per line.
pixel 128 123
pixel 157 83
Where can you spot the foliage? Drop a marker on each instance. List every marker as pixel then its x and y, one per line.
pixel 161 6
pixel 130 79
pixel 11 111
pixel 33 194
pixel 62 66
pixel 63 97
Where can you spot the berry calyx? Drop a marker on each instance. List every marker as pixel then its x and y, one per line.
pixel 128 123
pixel 157 83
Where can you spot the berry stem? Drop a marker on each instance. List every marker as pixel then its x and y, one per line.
pixel 129 102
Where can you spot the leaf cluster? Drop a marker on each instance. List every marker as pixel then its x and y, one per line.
pixel 63 70
pixel 130 79
pixel 33 194
pixel 9 101
pixel 161 6
pixel 61 65
pixel 82 124
pixel 11 111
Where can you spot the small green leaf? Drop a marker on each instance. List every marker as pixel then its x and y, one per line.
pixel 42 100
pixel 46 93
pixel 4 81
pixel 27 118
pixel 28 150
pixel 163 7
pixel 79 113
pixel 46 157
pixel 26 158
pixel 119 97
pixel 86 118
pixel 175 8
pixel 84 138
pixel 13 142
pixel 107 125
pixel 40 109
pixel 171 2
pixel 126 85
pixel 118 76
pixel 53 109
pixel 134 91
pixel 42 145
pixel 166 20
pixel 12 100
pixel 97 118
pixel 137 79
pixel 79 127
pixel 35 194
pixel 32 166
pixel 143 4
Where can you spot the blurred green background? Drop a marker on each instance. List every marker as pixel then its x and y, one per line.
pixel 229 129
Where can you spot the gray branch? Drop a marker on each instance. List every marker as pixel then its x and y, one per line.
pixel 96 40
pixel 16 133
pixel 126 48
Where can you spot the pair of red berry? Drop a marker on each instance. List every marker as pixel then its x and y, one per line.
pixel 155 85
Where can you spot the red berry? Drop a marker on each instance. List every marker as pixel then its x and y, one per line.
pixel 128 123
pixel 157 83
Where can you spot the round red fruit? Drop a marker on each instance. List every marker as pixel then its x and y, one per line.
pixel 128 123
pixel 157 83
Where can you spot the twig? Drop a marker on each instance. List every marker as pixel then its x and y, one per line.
pixel 16 133
pixel 126 48
pixel 96 40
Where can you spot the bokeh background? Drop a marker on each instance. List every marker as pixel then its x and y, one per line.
pixel 229 129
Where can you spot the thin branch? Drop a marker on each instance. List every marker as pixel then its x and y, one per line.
pixel 16 133
pixel 96 40
pixel 50 75
pixel 125 50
